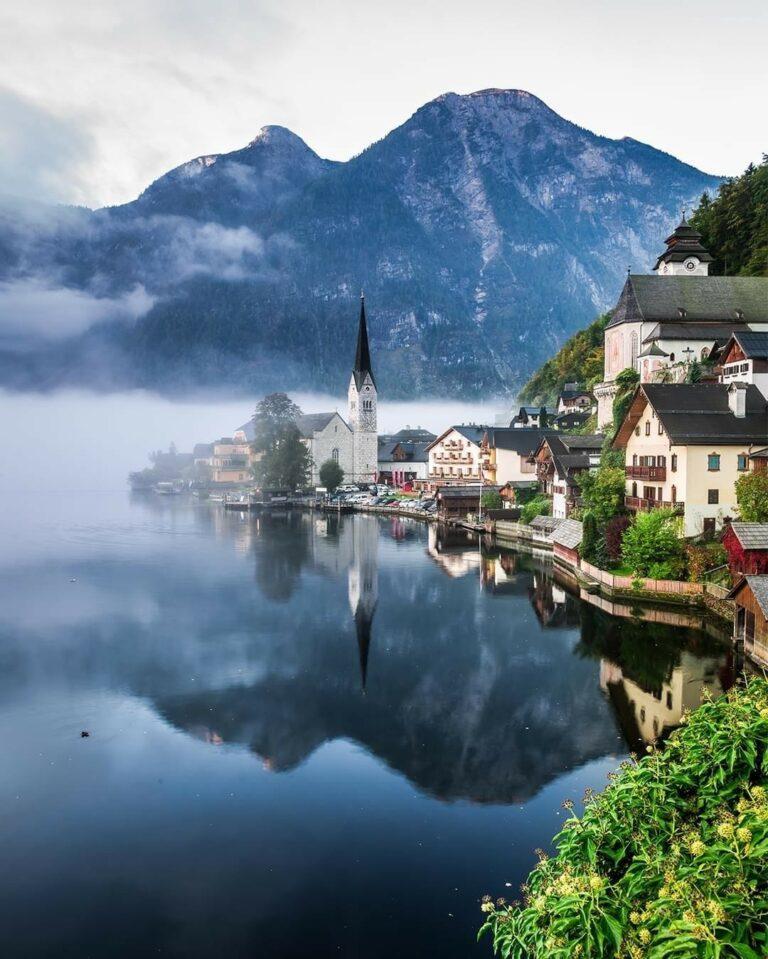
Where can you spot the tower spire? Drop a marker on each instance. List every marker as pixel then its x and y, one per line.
pixel 363 353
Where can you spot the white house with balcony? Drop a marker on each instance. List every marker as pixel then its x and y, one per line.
pixel 744 359
pixel 455 456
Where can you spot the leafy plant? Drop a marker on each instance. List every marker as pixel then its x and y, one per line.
pixel 491 500
pixel 331 475
pixel 670 861
pixel 538 506
pixel 651 540
pixel 589 537
pixel 602 492
pixel 613 535
pixel 752 497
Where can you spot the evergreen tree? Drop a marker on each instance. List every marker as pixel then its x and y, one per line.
pixel 589 537
pixel 283 458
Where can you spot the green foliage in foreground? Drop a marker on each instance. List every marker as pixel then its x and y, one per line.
pixel 651 545
pixel 579 360
pixel 491 500
pixel 670 861
pixel 752 497
pixel 538 506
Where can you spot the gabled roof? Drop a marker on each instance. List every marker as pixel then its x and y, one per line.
pixel 522 441
pixel 202 450
pixel 572 453
pixel 753 344
pixel 567 534
pixel 751 535
pixel 713 298
pixel 698 414
pixel 472 432
pixel 571 419
pixel 759 587
pixel 571 392
pixel 546 523
pixel 414 452
pixel 308 424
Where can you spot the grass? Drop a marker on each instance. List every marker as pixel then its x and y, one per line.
pixel 669 862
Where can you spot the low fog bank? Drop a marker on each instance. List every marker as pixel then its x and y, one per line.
pixel 83 441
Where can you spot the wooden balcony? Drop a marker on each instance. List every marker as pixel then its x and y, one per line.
pixel 638 502
pixel 647 473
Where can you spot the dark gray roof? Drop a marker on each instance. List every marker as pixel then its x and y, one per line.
pixel 684 242
pixel 698 413
pixel 572 453
pixel 571 419
pixel 715 298
pixel 414 452
pixel 472 432
pixel 754 345
pixel 570 392
pixel 681 330
pixel 307 423
pixel 546 523
pixel 759 587
pixel 751 535
pixel 567 534
pixel 523 441
pixel 202 450
pixel 652 350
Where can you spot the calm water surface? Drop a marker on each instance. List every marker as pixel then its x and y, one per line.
pixel 310 736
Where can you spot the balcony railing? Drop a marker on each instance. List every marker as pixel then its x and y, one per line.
pixel 638 502
pixel 647 472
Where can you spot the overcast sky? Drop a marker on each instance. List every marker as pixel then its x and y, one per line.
pixel 99 97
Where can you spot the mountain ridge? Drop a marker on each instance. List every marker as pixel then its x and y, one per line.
pixel 485 229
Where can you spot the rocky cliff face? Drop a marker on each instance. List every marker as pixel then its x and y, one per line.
pixel 485 230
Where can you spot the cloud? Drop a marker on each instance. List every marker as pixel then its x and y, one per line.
pixel 42 156
pixel 31 311
pixel 209 248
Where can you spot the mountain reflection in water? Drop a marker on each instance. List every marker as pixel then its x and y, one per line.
pixel 307 732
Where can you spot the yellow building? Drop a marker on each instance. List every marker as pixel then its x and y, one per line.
pixel 687 444
pixel 231 460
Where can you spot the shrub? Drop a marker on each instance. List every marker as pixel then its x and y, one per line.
pixel 699 559
pixel 538 506
pixel 602 492
pixel 752 497
pixel 652 539
pixel 589 538
pixel 491 500
pixel 671 860
pixel 331 475
pixel 613 535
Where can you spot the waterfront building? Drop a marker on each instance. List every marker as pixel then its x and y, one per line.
pixel 454 456
pixel 686 445
pixel 231 459
pixel 403 456
pixel 750 621
pixel 506 455
pixel 747 547
pixel 558 460
pixel 662 323
pixel 533 417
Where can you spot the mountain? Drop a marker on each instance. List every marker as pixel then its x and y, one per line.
pixel 485 230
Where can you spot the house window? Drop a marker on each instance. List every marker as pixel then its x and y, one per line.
pixel 648 428
pixel 742 462
pixel 669 700
pixel 674 494
pixel 671 357
pixel 335 455
pixel 674 462
pixel 713 497
pixel 634 489
pixel 637 431
pixel 662 461
pixel 661 428
pixel 634 459
pixel 713 462
pixel 709 527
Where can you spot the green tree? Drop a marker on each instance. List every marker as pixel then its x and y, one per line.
pixel 538 506
pixel 491 500
pixel 331 475
pixel 651 545
pixel 752 497
pixel 589 537
pixel 626 382
pixel 602 492
pixel 283 458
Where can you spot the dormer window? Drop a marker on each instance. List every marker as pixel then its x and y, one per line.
pixel 682 312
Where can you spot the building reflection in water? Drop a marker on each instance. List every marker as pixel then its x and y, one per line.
pixel 363 585
pixel 456 551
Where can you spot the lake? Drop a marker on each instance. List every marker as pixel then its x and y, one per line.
pixel 308 735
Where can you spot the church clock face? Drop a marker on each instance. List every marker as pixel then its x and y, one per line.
pixel 690 265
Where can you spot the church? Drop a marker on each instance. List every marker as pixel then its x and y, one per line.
pixel 664 322
pixel 352 443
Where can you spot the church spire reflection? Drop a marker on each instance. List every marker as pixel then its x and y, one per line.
pixel 363 586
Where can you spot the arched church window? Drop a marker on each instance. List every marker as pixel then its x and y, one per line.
pixel 633 350
pixel 335 455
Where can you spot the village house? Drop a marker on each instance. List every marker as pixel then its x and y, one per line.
pixel 507 456
pixel 686 445
pixel 455 455
pixel 570 422
pixel 403 456
pixel 559 459
pixel 662 323
pixel 744 359
pixel 750 623
pixel 574 398
pixel 231 460
pixel 533 417
pixel 747 547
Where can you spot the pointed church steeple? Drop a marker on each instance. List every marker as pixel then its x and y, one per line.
pixel 363 353
pixel 363 623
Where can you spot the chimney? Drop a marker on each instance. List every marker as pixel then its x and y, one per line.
pixel 737 399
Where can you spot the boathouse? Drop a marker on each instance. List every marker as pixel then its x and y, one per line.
pixel 750 623
pixel 747 547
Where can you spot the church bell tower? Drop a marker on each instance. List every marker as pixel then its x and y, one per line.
pixel 363 399
pixel 685 255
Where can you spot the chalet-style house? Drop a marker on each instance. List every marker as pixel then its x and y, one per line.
pixel 747 547
pixel 507 455
pixel 662 323
pixel 686 445
pixel 750 597
pixel 570 422
pixel 403 456
pixel 574 398
pixel 744 359
pixel 533 417
pixel 231 460
pixel 454 456
pixel 559 459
